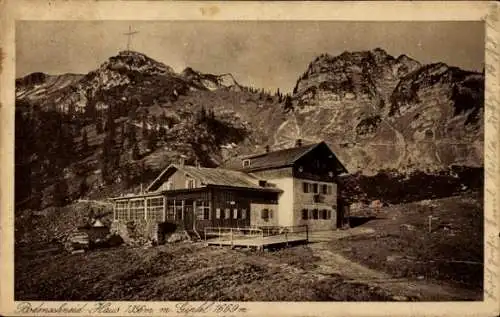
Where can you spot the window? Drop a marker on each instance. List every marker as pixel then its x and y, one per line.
pixel 243 214
pixel 235 213
pixel 315 214
pixel 137 209
pixel 121 210
pixel 305 187
pixel 178 210
pixel 324 189
pixel 170 209
pixel 190 183
pixel 315 188
pixel 264 214
pixel 154 208
pixel 329 214
pixel 217 213
pixel 305 214
pixel 323 214
pixel 329 190
pixel 227 213
pixel 246 163
pixel 203 210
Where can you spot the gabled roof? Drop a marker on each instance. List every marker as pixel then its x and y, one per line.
pixel 276 159
pixel 211 176
pixel 280 158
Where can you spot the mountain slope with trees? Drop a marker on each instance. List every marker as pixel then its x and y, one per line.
pixel 109 131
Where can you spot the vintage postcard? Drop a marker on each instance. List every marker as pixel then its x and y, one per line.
pixel 249 158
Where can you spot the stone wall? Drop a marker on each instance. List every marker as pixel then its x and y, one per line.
pixel 137 232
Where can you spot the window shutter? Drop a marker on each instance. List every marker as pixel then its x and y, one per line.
pixel 324 189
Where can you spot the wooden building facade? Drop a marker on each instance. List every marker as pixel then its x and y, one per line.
pixel 283 188
pixel 196 204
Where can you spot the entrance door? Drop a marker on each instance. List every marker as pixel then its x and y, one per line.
pixel 188 219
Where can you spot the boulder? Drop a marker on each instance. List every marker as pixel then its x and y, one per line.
pixel 408 227
pixel 121 229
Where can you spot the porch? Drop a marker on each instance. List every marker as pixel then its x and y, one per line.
pixel 260 238
pixel 181 207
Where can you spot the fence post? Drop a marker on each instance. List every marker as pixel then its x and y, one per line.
pixel 231 234
pixel 307 233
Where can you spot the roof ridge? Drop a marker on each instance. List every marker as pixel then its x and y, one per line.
pixel 255 155
pixel 312 146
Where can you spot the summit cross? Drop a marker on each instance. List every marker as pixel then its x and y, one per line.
pixel 129 36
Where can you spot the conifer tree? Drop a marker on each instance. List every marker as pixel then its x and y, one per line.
pixel 85 142
pixel 135 152
pixel 203 114
pixel 144 129
pixel 288 103
pixel 83 188
pixel 152 140
pixel 99 126
pixel 131 136
pixel 60 195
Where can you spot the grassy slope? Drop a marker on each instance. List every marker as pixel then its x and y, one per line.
pixel 182 272
pixel 415 252
pixel 191 271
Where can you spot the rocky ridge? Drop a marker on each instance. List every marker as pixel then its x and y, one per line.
pixel 380 112
pixel 376 111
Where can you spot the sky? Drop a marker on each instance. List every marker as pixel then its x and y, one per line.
pixel 266 55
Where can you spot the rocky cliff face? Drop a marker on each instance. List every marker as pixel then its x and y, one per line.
pixel 209 81
pixel 379 112
pixel 36 88
pixel 129 77
pixel 376 111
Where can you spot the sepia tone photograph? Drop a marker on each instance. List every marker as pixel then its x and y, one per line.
pixel 269 161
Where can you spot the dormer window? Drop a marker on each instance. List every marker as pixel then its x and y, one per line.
pixel 246 163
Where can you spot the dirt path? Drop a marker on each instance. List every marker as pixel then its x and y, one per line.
pixel 402 289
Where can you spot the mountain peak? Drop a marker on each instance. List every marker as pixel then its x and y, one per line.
pixel 209 81
pixel 132 60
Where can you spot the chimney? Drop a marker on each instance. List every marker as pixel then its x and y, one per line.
pixel 298 143
pixel 181 160
pixel 267 148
